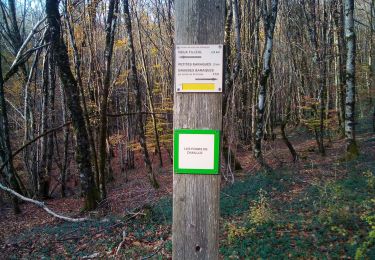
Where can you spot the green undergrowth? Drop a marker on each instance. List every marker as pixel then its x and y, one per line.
pixel 260 218
pixel 329 219
pixel 236 198
pixel 145 227
pixel 66 235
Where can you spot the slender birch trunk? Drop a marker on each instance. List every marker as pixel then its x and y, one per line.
pixel 352 150
pixel 269 19
pixel 232 71
pixel 42 180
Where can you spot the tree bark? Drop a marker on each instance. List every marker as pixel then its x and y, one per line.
pixel 64 163
pixel 77 69
pixel 283 125
pixel 370 74
pixel 340 64
pixel 109 39
pixel 61 58
pixel 196 197
pixel 352 150
pixel 269 20
pixel 5 147
pixel 43 181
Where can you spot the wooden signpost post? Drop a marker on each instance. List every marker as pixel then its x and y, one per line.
pixel 197 123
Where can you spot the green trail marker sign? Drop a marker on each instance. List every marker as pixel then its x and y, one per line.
pixel 196 151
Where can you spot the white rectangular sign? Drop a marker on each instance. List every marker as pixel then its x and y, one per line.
pixel 199 68
pixel 196 151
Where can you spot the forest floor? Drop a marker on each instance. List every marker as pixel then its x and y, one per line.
pixel 319 207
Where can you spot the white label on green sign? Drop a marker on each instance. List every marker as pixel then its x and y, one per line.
pixel 196 151
pixel 199 68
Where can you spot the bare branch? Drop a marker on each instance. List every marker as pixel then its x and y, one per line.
pixel 21 61
pixel 42 205
pixel 15 108
pixel 24 44
pixel 363 24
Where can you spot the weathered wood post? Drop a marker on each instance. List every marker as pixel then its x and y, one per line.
pixel 199 23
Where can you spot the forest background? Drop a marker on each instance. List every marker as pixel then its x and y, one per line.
pixel 86 112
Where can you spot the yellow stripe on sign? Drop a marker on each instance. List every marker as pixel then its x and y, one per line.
pixel 198 86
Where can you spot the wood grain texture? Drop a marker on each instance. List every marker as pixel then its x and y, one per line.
pixel 196 197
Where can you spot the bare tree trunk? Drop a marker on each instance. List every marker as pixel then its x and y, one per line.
pixel 237 29
pixel 232 71
pixel 287 142
pixel 51 119
pixel 351 146
pixel 48 118
pixel 322 82
pixel 109 39
pixel 42 173
pixel 269 20
pixel 77 68
pixel 371 56
pixel 283 125
pixel 64 168
pixel 319 67
pixel 14 34
pixel 255 73
pixel 138 102
pixel 127 124
pixel 340 66
pixel 227 52
pixel 29 154
pixel 73 101
pixel 5 147
pixel 149 94
pixel 121 129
